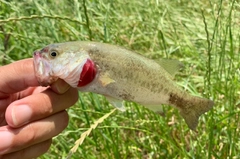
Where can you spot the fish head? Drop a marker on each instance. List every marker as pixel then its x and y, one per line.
pixel 67 61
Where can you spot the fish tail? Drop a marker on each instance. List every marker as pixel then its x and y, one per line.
pixel 192 108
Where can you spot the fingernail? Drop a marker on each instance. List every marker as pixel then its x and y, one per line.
pixel 6 141
pixel 61 86
pixel 21 114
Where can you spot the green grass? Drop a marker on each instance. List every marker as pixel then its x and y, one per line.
pixel 204 35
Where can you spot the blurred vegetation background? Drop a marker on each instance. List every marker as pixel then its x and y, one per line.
pixel 204 35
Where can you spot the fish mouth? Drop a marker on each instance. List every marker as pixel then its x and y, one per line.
pixel 42 69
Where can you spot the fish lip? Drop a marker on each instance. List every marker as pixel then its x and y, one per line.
pixel 42 69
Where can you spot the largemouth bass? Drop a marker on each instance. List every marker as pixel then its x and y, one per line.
pixel 118 74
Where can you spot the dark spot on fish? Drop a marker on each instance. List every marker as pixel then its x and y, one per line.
pixel 165 90
pixel 179 102
pixel 93 51
pixel 106 67
pixel 126 96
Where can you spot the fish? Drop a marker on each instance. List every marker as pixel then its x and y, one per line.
pixel 120 75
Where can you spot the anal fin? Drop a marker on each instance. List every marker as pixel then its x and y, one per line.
pixel 156 108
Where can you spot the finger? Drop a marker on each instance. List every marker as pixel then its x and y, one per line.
pixel 60 87
pixel 16 139
pixel 16 77
pixel 30 152
pixel 4 103
pixel 30 90
pixel 38 106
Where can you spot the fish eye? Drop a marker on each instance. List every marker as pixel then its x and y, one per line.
pixel 53 53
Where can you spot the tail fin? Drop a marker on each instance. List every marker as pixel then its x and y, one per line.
pixel 193 109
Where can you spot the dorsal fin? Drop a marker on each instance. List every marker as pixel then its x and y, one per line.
pixel 172 66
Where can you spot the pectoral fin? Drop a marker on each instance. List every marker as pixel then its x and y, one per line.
pixel 116 103
pixel 105 79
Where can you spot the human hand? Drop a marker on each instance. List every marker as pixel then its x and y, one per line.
pixel 30 115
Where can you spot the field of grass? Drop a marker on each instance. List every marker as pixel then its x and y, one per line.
pixel 204 35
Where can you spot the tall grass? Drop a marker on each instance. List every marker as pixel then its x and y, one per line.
pixel 204 35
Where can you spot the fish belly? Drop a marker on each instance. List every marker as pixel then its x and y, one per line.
pixel 130 91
